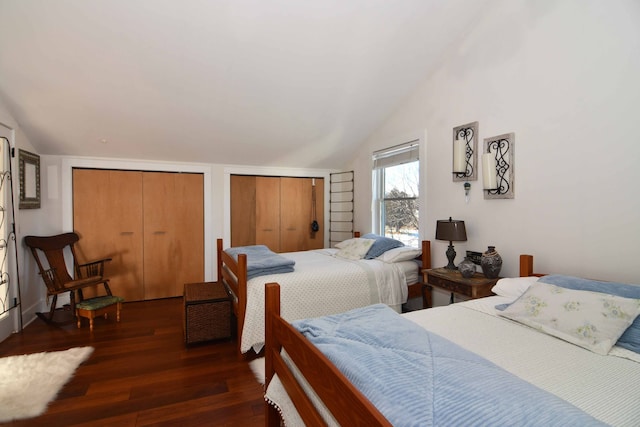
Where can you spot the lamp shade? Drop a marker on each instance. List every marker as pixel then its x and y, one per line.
pixel 452 230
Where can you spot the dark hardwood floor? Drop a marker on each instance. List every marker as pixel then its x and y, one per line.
pixel 142 374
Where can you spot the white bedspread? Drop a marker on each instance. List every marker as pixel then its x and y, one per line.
pixel 606 387
pixel 322 284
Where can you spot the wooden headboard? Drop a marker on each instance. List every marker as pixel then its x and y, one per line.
pixel 526 266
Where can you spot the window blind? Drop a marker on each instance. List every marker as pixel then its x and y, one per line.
pixel 396 155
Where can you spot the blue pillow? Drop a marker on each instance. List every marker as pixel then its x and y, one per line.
pixel 382 244
pixel 630 339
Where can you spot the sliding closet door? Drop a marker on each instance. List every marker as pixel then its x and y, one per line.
pixel 295 214
pixel 268 212
pixel 243 210
pixel 173 232
pixel 189 229
pixel 315 240
pixel 107 214
pixel 159 217
pixel 297 201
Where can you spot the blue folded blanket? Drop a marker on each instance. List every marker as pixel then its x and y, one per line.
pixel 262 261
pixel 417 378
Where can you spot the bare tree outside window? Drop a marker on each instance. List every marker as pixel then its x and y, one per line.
pixel 399 208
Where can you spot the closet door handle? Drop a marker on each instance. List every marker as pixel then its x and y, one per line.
pixel 125 233
pixel 159 232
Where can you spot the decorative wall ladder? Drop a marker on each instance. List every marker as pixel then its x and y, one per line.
pixel 10 298
pixel 340 207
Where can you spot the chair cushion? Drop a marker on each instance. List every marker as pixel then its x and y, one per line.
pixel 99 302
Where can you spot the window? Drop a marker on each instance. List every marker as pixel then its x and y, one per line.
pixel 396 173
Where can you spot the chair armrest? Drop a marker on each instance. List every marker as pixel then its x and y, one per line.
pixel 93 268
pixel 85 282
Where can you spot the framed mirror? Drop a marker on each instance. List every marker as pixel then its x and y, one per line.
pixel 29 180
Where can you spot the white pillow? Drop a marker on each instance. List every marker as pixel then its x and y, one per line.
pixel 513 287
pixel 345 243
pixel 354 248
pixel 592 320
pixel 403 253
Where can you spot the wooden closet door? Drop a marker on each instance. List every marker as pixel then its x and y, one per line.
pixel 107 214
pixel 295 213
pixel 316 240
pixel 268 212
pixel 243 210
pixel 160 265
pixel 173 232
pixel 296 207
pixel 189 229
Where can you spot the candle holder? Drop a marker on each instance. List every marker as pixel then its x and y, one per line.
pixel 465 146
pixel 498 167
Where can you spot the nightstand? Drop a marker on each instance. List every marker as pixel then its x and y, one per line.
pixel 477 286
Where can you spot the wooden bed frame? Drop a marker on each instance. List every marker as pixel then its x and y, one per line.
pixel 234 275
pixel 526 266
pixel 347 405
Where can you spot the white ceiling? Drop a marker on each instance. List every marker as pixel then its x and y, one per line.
pixel 289 83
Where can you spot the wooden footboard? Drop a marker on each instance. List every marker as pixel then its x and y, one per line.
pixel 415 289
pixel 234 275
pixel 347 405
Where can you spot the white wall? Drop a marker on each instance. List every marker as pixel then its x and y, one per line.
pixel 564 76
pixel 32 292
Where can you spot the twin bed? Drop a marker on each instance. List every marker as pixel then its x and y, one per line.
pixel 320 284
pixel 490 369
pixel 488 363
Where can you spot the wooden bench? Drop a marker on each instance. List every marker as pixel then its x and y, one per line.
pixel 98 306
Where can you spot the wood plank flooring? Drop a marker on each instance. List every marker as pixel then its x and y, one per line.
pixel 142 374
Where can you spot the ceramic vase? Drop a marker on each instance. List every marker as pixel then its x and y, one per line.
pixel 491 263
pixel 467 268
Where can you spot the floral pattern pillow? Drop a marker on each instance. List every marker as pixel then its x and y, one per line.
pixel 354 248
pixel 592 320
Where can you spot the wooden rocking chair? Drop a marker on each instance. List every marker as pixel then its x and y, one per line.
pixel 54 271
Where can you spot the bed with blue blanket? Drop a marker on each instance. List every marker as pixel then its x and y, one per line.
pixel 479 362
pixel 317 282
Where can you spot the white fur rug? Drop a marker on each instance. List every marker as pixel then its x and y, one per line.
pixel 29 382
pixel 257 367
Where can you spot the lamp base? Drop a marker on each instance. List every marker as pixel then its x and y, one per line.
pixel 451 255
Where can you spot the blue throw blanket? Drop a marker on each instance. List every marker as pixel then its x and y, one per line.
pixel 262 261
pixel 417 378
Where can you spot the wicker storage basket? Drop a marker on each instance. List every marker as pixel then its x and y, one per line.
pixel 207 312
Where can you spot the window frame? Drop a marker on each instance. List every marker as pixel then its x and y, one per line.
pixel 407 152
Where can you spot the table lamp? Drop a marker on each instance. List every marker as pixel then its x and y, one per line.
pixel 452 230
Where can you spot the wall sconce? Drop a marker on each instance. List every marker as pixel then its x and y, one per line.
pixel 498 167
pixel 465 147
pixel 452 230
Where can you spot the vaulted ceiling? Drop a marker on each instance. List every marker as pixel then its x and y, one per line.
pixel 289 83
